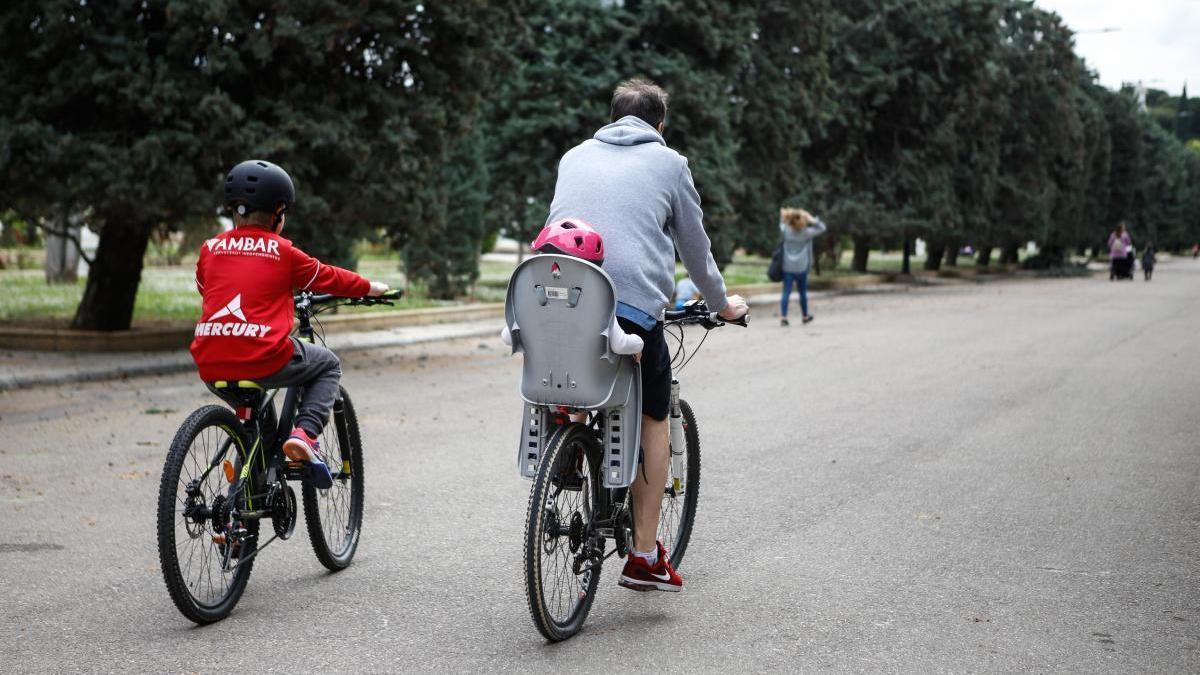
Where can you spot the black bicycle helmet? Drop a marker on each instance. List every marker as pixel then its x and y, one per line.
pixel 255 185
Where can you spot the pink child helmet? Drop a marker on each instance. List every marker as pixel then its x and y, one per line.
pixel 573 237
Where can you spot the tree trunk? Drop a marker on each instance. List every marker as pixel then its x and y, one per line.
pixel 862 249
pixel 934 250
pixel 952 249
pixel 113 279
pixel 1055 254
pixel 905 269
pixel 1010 254
pixel 984 257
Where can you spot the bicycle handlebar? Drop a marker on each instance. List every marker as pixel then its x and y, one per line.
pixel 697 312
pixel 305 299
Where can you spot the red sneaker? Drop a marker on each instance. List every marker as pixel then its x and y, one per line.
pixel 300 447
pixel 639 576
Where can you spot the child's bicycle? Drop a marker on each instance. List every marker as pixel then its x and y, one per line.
pixel 225 473
pixel 574 507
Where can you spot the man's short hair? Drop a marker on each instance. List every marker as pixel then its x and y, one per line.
pixel 642 99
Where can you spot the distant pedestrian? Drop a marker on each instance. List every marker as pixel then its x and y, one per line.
pixel 799 228
pixel 1195 251
pixel 1119 246
pixel 1148 260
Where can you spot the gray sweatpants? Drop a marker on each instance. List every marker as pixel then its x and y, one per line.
pixel 317 371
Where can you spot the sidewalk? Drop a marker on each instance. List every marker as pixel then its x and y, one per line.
pixel 30 369
pixel 19 369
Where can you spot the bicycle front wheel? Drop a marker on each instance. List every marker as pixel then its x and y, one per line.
pixel 562 569
pixel 681 492
pixel 334 516
pixel 199 543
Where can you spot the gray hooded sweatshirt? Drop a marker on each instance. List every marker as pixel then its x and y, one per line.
pixel 639 195
pixel 797 246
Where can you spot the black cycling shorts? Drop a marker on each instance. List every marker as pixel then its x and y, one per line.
pixel 656 369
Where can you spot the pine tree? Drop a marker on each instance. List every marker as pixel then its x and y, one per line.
pixel 135 112
pixel 783 94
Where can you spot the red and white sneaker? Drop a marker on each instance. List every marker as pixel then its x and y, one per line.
pixel 300 447
pixel 639 576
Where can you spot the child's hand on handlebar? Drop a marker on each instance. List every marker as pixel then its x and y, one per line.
pixel 378 288
pixel 735 309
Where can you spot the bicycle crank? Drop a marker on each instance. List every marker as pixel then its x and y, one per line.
pixel 283 510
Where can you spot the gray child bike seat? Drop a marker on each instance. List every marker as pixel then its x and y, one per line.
pixel 558 310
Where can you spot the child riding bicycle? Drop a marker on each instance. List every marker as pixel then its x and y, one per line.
pixel 246 277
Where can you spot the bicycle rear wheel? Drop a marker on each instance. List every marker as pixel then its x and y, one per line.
pixel 560 576
pixel 681 492
pixel 197 547
pixel 334 516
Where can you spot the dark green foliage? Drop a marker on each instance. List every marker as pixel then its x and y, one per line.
pixel 134 112
pixel 783 91
pixel 564 66
pixel 908 82
pixel 744 82
pixel 446 257
pixel 438 124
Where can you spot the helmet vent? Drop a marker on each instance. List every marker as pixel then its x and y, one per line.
pixel 252 179
pixel 262 164
pixel 579 241
pixel 250 190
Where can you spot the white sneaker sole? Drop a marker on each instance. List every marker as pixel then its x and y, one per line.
pixel 298 451
pixel 639 585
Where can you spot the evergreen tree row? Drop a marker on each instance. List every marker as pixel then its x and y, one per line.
pixel 435 124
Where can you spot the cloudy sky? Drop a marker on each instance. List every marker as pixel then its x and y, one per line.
pixel 1158 41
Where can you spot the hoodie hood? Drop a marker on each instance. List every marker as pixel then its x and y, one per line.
pixel 629 130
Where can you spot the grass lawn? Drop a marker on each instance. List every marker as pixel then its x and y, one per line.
pixel 168 294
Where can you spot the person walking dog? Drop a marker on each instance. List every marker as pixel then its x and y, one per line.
pixel 799 228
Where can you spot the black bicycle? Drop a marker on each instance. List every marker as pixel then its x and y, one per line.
pixel 225 473
pixel 571 515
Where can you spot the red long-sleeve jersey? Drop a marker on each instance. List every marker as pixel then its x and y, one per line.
pixel 246 277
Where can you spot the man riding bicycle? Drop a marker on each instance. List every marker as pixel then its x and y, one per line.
pixel 639 195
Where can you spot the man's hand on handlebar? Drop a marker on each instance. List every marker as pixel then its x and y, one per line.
pixel 735 309
pixel 378 288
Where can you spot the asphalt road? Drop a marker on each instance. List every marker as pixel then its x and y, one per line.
pixel 998 477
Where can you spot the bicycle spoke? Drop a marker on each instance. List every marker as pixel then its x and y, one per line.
pixel 202 558
pixel 563 588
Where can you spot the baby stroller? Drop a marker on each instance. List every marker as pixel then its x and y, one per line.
pixel 1122 268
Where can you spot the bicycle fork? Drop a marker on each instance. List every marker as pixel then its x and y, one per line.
pixel 678 443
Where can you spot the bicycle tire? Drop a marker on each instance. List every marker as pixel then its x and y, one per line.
pixel 335 534
pixel 691 495
pixel 180 583
pixel 579 438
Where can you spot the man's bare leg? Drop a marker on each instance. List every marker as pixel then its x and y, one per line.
pixel 648 486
